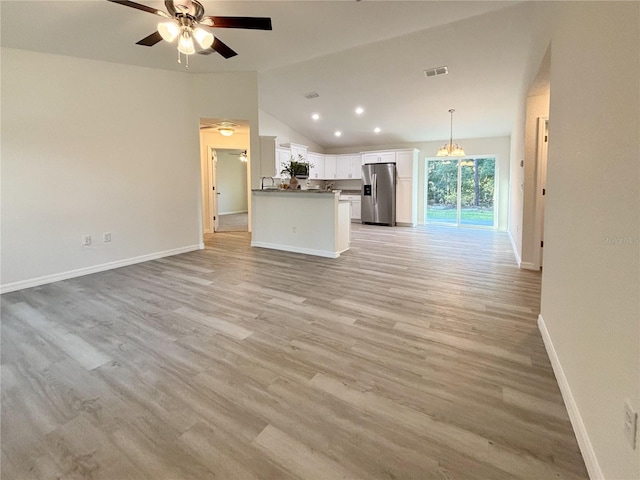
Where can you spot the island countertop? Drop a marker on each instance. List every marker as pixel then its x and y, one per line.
pixel 296 192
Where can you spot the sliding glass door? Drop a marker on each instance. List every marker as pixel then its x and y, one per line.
pixel 461 191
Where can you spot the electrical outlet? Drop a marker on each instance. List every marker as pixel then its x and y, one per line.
pixel 86 240
pixel 630 424
pixel 106 237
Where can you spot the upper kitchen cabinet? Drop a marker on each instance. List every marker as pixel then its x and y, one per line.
pixel 330 167
pixel 356 166
pixel 348 167
pixel 379 157
pixel 317 165
pixel 343 167
pixel 407 163
pixel 406 160
pixel 283 156
pixel 296 149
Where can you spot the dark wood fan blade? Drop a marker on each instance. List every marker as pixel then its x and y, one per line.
pixel 151 40
pixel 253 23
pixel 220 47
pixel 223 49
pixel 138 6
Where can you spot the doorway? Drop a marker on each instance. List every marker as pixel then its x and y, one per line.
pixel 461 191
pixel 229 170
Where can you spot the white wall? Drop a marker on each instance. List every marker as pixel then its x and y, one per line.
pixel 90 147
pixel 272 127
pixel 591 276
pixel 231 175
pixel 498 146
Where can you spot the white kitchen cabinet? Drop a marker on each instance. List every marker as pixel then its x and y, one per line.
pixel 343 167
pixel 406 202
pixel 383 156
pixel 296 149
pixel 356 207
pixel 355 166
pixel 407 163
pixel 283 156
pixel 330 162
pixel 317 168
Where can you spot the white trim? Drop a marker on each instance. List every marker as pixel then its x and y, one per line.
pixel 56 277
pixel 515 250
pixel 586 448
pixel 528 266
pixel 290 248
pixel 232 212
pixel 540 183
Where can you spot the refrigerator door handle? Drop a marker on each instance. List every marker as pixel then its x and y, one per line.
pixel 374 188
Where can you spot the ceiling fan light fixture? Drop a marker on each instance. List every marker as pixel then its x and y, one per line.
pixel 168 31
pixel 204 38
pixel 226 132
pixel 185 44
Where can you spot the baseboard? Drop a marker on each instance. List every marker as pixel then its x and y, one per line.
pixel 586 448
pixel 290 248
pixel 515 250
pixel 56 277
pixel 232 212
pixel 528 266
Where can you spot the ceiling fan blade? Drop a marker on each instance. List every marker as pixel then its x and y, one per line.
pixel 138 6
pixel 220 47
pixel 252 23
pixel 151 40
pixel 223 49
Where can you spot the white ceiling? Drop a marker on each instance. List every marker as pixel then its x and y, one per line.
pixel 369 53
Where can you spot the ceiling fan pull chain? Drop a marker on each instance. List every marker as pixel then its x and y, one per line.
pixel 179 61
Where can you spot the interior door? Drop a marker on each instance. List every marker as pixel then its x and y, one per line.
pixel 214 190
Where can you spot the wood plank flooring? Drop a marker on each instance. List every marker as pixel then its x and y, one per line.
pixel 415 355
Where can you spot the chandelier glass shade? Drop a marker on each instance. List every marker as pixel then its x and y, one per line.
pixel 451 149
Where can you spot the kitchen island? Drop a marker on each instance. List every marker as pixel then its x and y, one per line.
pixel 314 222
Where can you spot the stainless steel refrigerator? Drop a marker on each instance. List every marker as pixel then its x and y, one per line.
pixel 379 193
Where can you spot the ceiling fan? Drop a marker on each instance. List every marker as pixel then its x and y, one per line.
pixel 185 20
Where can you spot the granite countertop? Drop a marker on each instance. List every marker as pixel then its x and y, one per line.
pixel 350 192
pixel 294 192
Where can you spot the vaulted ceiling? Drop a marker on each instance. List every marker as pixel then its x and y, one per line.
pixel 366 53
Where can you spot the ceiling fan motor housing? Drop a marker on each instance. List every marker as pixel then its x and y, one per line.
pixel 185 8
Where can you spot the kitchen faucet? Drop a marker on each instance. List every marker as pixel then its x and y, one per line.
pixel 262 182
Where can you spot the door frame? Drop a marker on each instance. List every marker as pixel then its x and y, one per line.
pixel 460 160
pixel 542 151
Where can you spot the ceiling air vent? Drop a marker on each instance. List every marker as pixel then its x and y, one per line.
pixel 434 72
pixel 311 95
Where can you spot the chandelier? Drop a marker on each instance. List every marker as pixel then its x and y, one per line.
pixel 451 149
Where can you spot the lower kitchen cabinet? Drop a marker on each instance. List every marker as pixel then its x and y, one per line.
pixel 356 208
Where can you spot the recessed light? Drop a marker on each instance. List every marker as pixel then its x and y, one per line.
pixel 359 110
pixel 316 116
pixel 338 133
pixel 377 130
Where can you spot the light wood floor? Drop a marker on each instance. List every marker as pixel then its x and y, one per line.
pixel 415 355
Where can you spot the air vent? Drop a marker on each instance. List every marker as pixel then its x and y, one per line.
pixel 311 95
pixel 434 72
